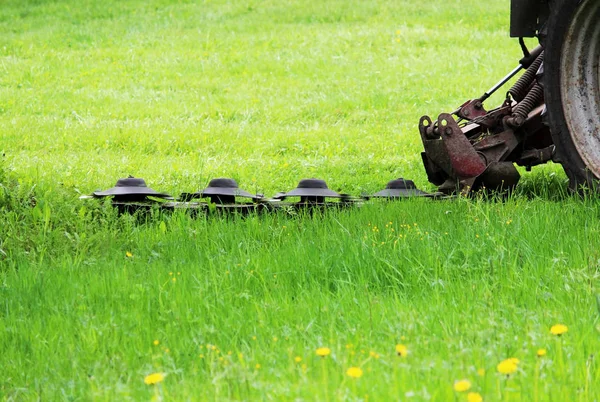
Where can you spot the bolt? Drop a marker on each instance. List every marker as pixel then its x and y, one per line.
pixel 448 131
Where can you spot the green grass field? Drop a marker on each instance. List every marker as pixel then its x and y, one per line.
pixel 269 92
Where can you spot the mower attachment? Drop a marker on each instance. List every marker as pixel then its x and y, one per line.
pixel 472 149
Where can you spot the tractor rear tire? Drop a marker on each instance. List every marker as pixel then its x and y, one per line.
pixel 572 88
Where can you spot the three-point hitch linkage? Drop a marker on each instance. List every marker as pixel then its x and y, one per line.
pixel 472 148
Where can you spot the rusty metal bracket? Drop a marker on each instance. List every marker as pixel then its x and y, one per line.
pixel 472 109
pixel 465 160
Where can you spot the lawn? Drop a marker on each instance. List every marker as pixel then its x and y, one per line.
pixel 269 92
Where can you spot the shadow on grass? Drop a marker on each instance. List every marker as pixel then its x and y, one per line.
pixel 551 186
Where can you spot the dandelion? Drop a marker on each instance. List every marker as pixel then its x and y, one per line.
pixel 297 359
pixel 323 352
pixel 514 360
pixel 174 279
pixel 156 342
pixel 257 366
pixel 275 339
pixel 128 254
pixel 154 378
pixel 462 385
pixel 354 372
pixel 559 329
pixel 481 372
pixel 401 350
pixel 474 397
pixel 541 352
pixel 507 367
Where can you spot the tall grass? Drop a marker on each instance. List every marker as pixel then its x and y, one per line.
pixel 234 308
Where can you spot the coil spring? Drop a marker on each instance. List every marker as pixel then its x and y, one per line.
pixel 521 88
pixel 531 100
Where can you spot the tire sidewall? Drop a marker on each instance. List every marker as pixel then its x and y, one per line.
pixel 561 14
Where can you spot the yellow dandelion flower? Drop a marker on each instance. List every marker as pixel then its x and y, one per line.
pixel 401 350
pixel 372 354
pixel 156 342
pixel 354 372
pixel 323 352
pixel 297 359
pixel 174 279
pixel 481 372
pixel 474 397
pixel 541 352
pixel 559 329
pixel 257 366
pixel 128 254
pixel 462 385
pixel 507 367
pixel 154 378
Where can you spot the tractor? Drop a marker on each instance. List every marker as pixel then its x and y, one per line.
pixel 550 113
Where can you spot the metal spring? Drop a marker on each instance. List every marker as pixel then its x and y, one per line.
pixel 520 89
pixel 533 98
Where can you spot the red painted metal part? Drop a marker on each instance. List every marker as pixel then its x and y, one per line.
pixel 465 160
pixel 472 109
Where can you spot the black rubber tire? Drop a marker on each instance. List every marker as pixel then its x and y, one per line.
pixel 562 13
